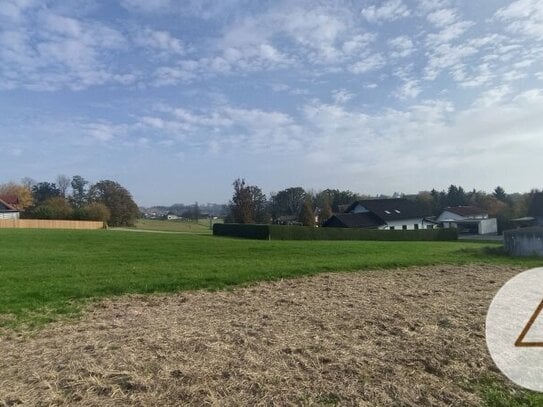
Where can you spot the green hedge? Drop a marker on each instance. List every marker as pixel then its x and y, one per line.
pixel 280 232
pixel 261 232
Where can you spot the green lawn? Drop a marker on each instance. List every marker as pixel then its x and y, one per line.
pixel 200 226
pixel 45 273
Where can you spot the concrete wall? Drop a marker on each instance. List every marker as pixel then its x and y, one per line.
pixel 488 226
pixel 528 242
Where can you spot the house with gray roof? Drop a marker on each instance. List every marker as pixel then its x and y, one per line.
pixel 391 214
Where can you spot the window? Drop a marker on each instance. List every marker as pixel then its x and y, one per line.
pixel 391 228
pixel 397 211
pixel 387 212
pixel 404 227
pixel 416 226
pixel 429 226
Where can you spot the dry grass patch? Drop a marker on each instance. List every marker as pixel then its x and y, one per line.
pixel 404 337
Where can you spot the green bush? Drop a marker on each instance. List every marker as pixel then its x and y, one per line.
pixel 280 232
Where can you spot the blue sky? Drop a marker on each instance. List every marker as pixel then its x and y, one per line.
pixel 176 99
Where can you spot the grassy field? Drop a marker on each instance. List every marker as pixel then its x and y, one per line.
pixel 200 227
pixel 46 273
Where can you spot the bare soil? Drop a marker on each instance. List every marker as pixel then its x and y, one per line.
pixel 406 337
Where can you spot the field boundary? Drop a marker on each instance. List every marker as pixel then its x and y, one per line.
pixel 50 224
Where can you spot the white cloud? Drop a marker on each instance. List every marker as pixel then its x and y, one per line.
pixel 455 144
pixel 226 128
pixel 402 46
pixel 342 96
pixel 47 51
pixel 147 6
pixel 431 5
pixel 388 11
pixel 410 89
pixel 523 17
pixel 161 41
pixel 442 17
pixel 449 33
pixel 369 63
pixel 104 132
pixel 357 43
pixel 492 97
pixel 446 56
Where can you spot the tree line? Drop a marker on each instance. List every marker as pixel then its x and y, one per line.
pixel 72 198
pixel 297 205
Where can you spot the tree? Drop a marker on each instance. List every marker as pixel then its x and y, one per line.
pixel 193 212
pixel 424 200
pixel 497 209
pixel 260 205
pixel 307 215
pixel 19 194
pixel 43 191
pixel 456 196
pixel 52 208
pixel 28 182
pixel 63 182
pixel 242 206
pixel 288 202
pixel 325 212
pixel 196 211
pixel 97 211
pixel 79 192
pixel 117 199
pixel 499 193
pixel 335 198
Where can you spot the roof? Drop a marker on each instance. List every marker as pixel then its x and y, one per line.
pixel 536 206
pixel 391 209
pixel 354 220
pixel 10 199
pixel 467 210
pixel 5 207
pixel 342 208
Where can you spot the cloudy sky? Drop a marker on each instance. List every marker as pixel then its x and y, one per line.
pixel 177 98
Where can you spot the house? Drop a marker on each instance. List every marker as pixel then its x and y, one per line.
pixel 468 219
pixel 8 211
pixel 172 216
pixel 391 214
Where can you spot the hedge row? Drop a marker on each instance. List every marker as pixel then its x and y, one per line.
pixel 280 232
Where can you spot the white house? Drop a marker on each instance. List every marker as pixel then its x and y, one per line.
pixel 468 219
pixel 7 211
pixel 391 214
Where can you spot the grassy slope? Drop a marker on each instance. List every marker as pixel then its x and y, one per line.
pixel 48 269
pixel 202 226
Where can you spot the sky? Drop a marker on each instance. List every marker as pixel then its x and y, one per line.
pixel 176 99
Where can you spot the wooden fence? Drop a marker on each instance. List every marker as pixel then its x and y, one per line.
pixel 50 224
